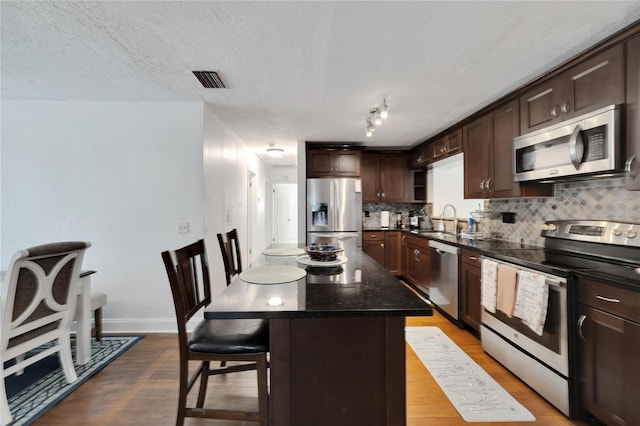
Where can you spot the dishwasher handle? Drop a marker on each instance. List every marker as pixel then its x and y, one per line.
pixel 442 248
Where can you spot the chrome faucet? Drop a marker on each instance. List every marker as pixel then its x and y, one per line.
pixel 441 226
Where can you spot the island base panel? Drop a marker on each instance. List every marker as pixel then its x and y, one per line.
pixel 338 371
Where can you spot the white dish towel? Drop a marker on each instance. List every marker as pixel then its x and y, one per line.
pixel 489 284
pixel 532 298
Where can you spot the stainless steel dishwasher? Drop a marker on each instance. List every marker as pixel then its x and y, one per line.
pixel 443 283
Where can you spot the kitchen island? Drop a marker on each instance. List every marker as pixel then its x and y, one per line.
pixel 337 340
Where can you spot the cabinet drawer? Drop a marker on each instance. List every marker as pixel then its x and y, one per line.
pixel 611 299
pixel 418 242
pixel 472 257
pixel 373 236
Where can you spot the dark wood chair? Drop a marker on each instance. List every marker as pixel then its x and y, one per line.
pixel 230 248
pixel 213 340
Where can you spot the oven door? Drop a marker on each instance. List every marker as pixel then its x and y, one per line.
pixel 551 347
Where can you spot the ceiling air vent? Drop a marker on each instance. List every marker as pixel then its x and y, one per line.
pixel 209 79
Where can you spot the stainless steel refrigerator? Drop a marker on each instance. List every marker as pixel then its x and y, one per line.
pixel 334 211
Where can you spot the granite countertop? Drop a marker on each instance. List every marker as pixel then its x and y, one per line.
pixel 535 257
pixel 524 254
pixel 358 288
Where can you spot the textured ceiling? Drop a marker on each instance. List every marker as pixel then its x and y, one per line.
pixel 299 70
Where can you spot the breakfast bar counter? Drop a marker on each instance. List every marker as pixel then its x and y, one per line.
pixel 337 339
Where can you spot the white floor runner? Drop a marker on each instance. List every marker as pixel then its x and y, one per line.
pixel 476 396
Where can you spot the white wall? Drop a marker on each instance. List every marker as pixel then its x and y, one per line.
pixel 227 161
pixel 445 185
pixel 118 174
pixel 283 174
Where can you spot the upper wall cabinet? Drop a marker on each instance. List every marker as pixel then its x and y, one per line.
pixel 330 162
pixel 488 164
pixel 477 159
pixel 632 165
pixel 447 145
pixel 385 177
pixel 421 157
pixel 590 85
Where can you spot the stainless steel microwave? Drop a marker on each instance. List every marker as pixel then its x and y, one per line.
pixel 588 144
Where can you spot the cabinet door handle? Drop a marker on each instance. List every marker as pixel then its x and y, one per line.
pixel 381 244
pixel 488 184
pixel 629 167
pixel 607 299
pixel 383 195
pixel 566 107
pixel 576 147
pixel 404 240
pixel 580 322
pixel 482 185
pixel 473 258
pixel 373 236
pixel 555 112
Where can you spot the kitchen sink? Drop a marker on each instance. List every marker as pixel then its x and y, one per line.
pixel 437 234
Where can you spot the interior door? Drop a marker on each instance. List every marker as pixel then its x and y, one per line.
pixel 285 219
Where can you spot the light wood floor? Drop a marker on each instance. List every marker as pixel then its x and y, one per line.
pixel 140 388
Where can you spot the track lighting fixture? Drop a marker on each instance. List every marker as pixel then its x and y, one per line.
pixel 375 117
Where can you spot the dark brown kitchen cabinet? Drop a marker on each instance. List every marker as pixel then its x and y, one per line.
pixel 373 245
pixel 417 261
pixel 470 289
pixel 488 163
pixel 477 158
pixel 418 186
pixel 385 248
pixel 503 126
pixel 421 157
pixel 588 86
pixel 393 252
pixel 447 145
pixel 385 178
pixel 632 165
pixel 332 162
pixel 608 328
pixel 406 253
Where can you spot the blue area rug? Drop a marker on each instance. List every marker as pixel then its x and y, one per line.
pixel 42 385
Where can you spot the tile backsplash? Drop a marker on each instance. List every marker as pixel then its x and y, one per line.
pixel 374 209
pixel 598 199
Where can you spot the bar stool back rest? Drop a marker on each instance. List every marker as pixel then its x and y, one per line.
pixel 212 340
pixel 230 248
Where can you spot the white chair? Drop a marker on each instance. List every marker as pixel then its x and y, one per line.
pixel 37 305
pixel 98 300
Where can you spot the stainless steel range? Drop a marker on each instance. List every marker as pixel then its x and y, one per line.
pixel 596 248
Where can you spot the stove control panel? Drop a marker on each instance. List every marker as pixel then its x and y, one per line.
pixel 595 231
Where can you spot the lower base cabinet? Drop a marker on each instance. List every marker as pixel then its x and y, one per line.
pixel 416 258
pixel 337 371
pixel 470 289
pixel 373 245
pixel 384 247
pixel 608 345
